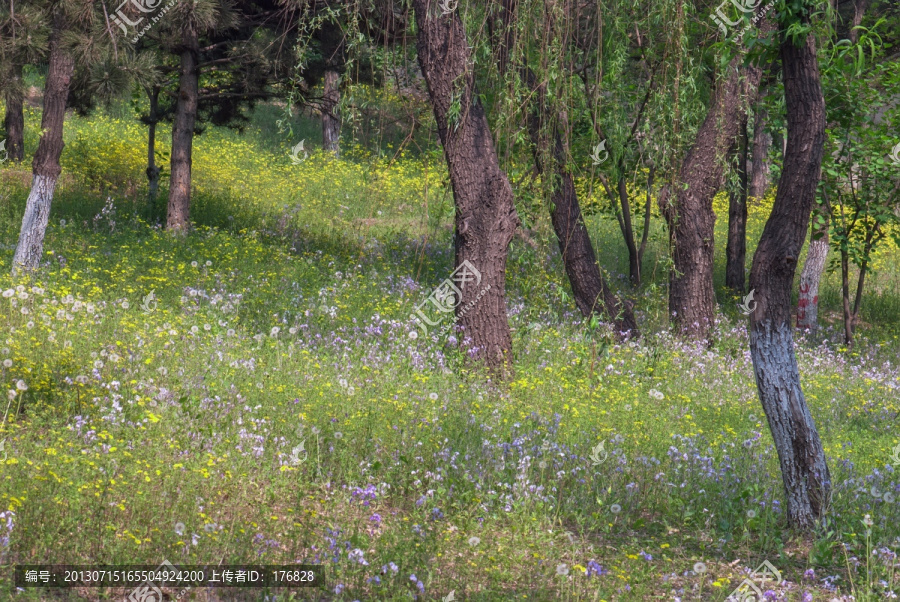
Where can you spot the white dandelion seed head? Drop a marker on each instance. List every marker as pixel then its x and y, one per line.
pixel 7 363
pixel 615 508
pixel 179 528
pixel 21 386
pixel 562 569
pixel 433 396
pixel 699 567
pixel 474 541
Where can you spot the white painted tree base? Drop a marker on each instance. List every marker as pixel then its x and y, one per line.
pixel 34 224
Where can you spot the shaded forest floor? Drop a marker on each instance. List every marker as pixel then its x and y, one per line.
pixel 169 426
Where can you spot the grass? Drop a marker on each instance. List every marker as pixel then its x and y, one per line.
pixel 167 426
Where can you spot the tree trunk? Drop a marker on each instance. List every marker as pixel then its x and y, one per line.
pixel 331 123
pixel 736 249
pixel 692 299
pixel 45 167
pixel 807 481
pixel 762 141
pixel 485 214
pixel 14 120
pixel 859 11
pixel 152 169
pixel 813 268
pixel 178 210
pixel 592 294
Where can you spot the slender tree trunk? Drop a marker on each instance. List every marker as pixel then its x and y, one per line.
pixel 692 300
pixel 736 249
pixel 762 141
pixel 807 481
pixel 152 169
pixel 634 263
pixel 813 268
pixel 45 167
pixel 178 210
pixel 485 213
pixel 845 297
pixel 592 294
pixel 14 120
pixel 331 123
pixel 859 11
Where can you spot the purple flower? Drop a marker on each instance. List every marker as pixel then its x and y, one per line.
pixel 375 518
pixel 594 568
pixel 646 556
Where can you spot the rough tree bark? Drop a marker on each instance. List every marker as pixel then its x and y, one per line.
pixel 813 268
pixel 485 214
pixel 152 168
pixel 14 120
pixel 690 216
pixel 45 167
pixel 762 142
pixel 592 294
pixel 736 249
pixel 331 123
pixel 807 481
pixel 178 210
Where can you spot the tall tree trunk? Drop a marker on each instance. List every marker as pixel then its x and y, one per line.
pixel 692 299
pixel 762 141
pixel 331 123
pixel 859 11
pixel 485 213
pixel 152 169
pixel 736 249
pixel 178 210
pixel 45 167
pixel 14 120
pixel 592 294
pixel 807 481
pixel 813 268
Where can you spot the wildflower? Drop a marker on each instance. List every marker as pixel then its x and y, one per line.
pixel 343 383
pixel 207 327
pixel 179 528
pixel 194 264
pixel 474 541
pixel 562 569
pixel 594 568
pixel 375 518
pixel 867 519
pixel 208 263
pixel 413 335
pixel 338 435
pixel 11 394
pixel 340 586
pixel 163 370
pixel 751 513
pixel 21 386
pixel 292 330
pixel 699 568
pixel 627 407
pixel 274 332
pixel 658 395
pixel 230 332
pixel 194 539
pixel 194 329
pixel 646 556
pixel 433 396
pixel 125 304
pixel 210 527
pixel 7 363
pixel 113 357
pixel 9 293
pixel 393 568
pixel 315 430
pixel 357 555
pixel 615 508
pixel 351 390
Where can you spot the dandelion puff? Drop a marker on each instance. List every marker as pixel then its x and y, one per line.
pixel 125 304
pixel 194 264
pixel 542 465
pixel 230 332
pixel 751 513
pixel 29 325
pixel 888 497
pixel 207 327
pixel 9 293
pixel 474 541
pixel 658 395
pixel 11 394
pixel 21 386
pixel 7 363
pixel 24 311
pixel 414 335
pixel 874 492
pixel 274 332
pixel 615 508
pixel 194 329
pixel 163 370
pixel 292 330
pixel 343 383
pixel 562 569
pixel 433 396
pixel 699 568
pixel 351 390
pixel 867 520
pixel 114 358
pixel 315 430
pixel 179 528
pixel 98 364
pixel 208 263
pixel 338 435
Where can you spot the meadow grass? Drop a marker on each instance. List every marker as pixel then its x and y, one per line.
pixel 141 428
